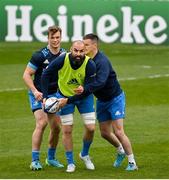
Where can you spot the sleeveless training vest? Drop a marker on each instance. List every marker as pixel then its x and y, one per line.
pixel 69 79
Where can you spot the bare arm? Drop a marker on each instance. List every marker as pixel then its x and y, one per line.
pixel 27 77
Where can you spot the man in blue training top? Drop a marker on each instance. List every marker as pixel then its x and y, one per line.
pixel 39 61
pixel 74 69
pixel 110 102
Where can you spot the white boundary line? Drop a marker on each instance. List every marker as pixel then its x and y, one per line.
pixel 12 89
pixel 120 79
pixel 149 77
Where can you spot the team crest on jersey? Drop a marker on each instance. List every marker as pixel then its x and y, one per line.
pixel 46 61
pixel 73 81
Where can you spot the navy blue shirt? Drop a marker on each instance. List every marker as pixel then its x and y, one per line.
pixel 39 61
pixel 57 64
pixel 106 85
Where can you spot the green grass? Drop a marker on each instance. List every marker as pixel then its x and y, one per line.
pixel 146 121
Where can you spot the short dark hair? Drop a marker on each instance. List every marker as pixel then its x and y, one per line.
pixel 91 36
pixel 53 29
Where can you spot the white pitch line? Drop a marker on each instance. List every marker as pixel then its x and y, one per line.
pixel 146 67
pixel 158 76
pixel 127 79
pixel 120 79
pixel 155 76
pixel 12 89
pixel 149 77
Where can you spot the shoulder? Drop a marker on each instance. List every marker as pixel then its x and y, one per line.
pixel 37 59
pixel 59 60
pixel 100 55
pixel 101 59
pixel 62 50
pixel 38 55
pixel 91 65
pixel 62 55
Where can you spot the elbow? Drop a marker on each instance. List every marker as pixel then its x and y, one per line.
pixel 24 76
pixel 101 83
pixel 97 86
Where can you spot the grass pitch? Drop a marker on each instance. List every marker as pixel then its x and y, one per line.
pixel 144 75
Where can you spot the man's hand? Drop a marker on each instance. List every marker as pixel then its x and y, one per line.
pixel 38 95
pixel 43 102
pixel 62 102
pixel 79 90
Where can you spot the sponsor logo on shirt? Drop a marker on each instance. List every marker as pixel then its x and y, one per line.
pixel 46 61
pixel 73 81
pixel 118 113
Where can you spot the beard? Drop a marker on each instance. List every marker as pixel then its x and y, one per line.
pixel 78 60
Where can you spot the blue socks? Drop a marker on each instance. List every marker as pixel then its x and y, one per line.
pixel 35 155
pixel 84 152
pixel 69 157
pixel 51 153
pixel 86 146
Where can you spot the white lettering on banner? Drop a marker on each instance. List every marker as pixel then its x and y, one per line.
pixel 13 22
pixel 102 29
pixel 39 30
pixel 81 25
pixel 62 22
pixel 131 29
pixel 151 31
pixel 107 26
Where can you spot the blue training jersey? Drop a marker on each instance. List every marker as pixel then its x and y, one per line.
pixel 39 61
pixel 106 86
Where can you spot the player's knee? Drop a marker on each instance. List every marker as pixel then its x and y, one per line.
pixel 58 120
pixel 67 132
pixel 40 127
pixel 55 130
pixel 90 128
pixel 89 119
pixel 41 123
pixel 119 133
pixel 105 134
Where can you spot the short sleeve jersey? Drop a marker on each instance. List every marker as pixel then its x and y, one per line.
pixel 39 61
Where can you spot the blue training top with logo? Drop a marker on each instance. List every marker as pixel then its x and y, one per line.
pixel 39 61
pixel 106 85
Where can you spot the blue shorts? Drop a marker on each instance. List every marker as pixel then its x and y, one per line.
pixel 35 105
pixel 85 105
pixel 111 110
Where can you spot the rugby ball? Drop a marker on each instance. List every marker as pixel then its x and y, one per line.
pixel 52 105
